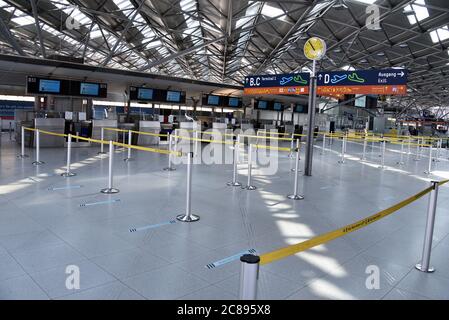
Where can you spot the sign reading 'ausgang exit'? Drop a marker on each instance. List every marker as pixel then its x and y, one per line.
pixel 380 82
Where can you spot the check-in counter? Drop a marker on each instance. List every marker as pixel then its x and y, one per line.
pixel 55 125
pixel 186 129
pixel 219 128
pixel 289 128
pixel 151 127
pixel 108 134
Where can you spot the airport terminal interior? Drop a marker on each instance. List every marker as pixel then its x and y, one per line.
pixel 224 150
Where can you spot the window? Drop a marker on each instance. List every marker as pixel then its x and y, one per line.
pixel 440 34
pixel 416 12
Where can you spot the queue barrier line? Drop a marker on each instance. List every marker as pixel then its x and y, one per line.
pixel 208 132
pixel 138 132
pixel 329 236
pixel 260 146
pixel 154 150
pixel 266 137
pixel 47 132
pixel 203 140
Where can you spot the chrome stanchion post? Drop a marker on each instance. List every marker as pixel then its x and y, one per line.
pixel 67 172
pixel 170 149
pixel 195 147
pixel 234 182
pixel 382 163
pixel 110 189
pixel 293 169
pixel 437 157
pixel 129 146
pixel 101 145
pixel 343 148
pixel 37 161
pixel 188 216
pixel 364 149
pixel 290 155
pixel 248 184
pixel 238 148
pixel 424 266
pixel 417 152
pixel 324 143
pixel 295 195
pixel 249 273
pixel 429 169
pixel 401 161
pixel 22 142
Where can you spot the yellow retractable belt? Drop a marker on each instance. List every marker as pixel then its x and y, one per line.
pixel 326 237
pixel 259 146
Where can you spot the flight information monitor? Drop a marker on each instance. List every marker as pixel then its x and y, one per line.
pixel 89 89
pixel 144 94
pixel 213 100
pixel 64 87
pixel 262 104
pixel 233 102
pixel 277 106
pixel 49 86
pixel 173 96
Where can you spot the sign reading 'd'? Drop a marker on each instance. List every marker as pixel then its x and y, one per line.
pixel 291 83
pixel 380 82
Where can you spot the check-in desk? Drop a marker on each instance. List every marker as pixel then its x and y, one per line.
pixel 55 125
pixel 151 127
pixel 186 129
pixel 108 134
pixel 220 128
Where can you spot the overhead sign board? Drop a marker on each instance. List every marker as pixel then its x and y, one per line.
pixel 334 83
pixel 379 82
pixel 291 83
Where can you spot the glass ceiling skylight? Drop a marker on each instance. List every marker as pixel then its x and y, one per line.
pixel 271 12
pixel 416 11
pixel 440 34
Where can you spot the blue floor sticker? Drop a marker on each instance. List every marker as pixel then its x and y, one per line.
pixel 64 188
pixel 228 259
pixel 152 226
pixel 100 202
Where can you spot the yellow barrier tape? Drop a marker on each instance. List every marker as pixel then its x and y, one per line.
pixel 138 132
pixel 115 129
pixel 208 132
pixel 53 133
pixel 29 129
pixel 259 146
pixel 326 237
pixel 266 137
pixel 204 140
pixel 91 140
pixel 131 146
pixel 150 133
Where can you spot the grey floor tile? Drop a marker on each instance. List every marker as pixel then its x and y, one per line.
pixel 21 288
pixel 111 291
pixel 165 283
pixel 54 281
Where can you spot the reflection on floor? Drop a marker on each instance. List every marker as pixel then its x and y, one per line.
pixel 44 228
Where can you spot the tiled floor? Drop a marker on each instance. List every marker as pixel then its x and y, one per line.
pixel 42 230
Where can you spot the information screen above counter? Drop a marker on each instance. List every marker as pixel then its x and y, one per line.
pixel 145 94
pixel 38 85
pixel 268 105
pixel 221 101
